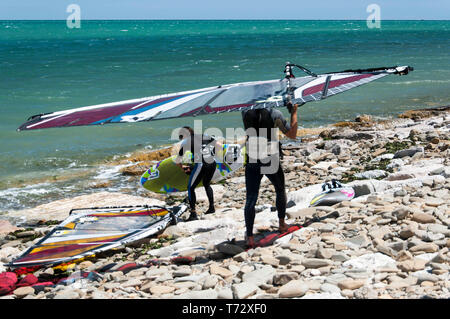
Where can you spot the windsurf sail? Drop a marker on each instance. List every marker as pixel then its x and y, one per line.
pixel 88 231
pixel 217 99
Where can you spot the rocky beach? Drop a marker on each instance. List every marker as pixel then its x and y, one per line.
pixel 390 242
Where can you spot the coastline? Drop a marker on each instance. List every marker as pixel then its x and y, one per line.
pixel 392 241
pixel 117 173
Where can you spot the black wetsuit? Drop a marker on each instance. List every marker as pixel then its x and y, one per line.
pixel 267 119
pixel 202 149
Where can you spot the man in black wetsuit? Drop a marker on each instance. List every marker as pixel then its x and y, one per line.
pixel 202 148
pixel 261 128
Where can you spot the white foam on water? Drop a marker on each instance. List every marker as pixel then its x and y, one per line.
pixel 27 190
pixel 107 172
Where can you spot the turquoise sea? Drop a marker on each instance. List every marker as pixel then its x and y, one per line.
pixel 45 66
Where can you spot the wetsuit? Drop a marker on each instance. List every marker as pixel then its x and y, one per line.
pixel 267 120
pixel 202 149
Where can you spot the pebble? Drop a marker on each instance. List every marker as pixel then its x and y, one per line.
pixel 298 268
pixel 293 289
pixel 425 276
pixel 182 272
pixel 339 256
pixel 200 294
pixel 423 218
pixel 316 272
pixel 408 152
pixel 210 282
pixel 160 290
pixel 351 284
pixel 407 232
pixel 23 291
pixel 326 287
pixel 154 272
pixel 260 276
pixel 67 294
pixel 229 249
pixel 165 277
pixel 427 248
pixel 283 259
pixel 100 295
pixel 226 293
pixel 347 293
pixel 25 234
pixel 358 241
pixel 439 229
pixel 222 272
pixel 270 260
pixel 244 290
pixel 111 285
pixel 131 283
pixel 315 262
pixel 412 265
pixel 283 278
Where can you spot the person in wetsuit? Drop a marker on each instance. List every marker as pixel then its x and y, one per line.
pixel 202 148
pixel 261 125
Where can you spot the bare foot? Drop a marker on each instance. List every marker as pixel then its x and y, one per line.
pixel 283 227
pixel 250 242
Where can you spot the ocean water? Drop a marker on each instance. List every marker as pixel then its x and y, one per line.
pixel 45 67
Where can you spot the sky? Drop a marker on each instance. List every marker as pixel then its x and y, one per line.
pixel 225 9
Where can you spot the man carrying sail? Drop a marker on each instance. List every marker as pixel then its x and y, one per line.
pixel 261 127
pixel 202 148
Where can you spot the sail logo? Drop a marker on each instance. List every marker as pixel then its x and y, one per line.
pixel 73 21
pixel 374 19
pixel 153 173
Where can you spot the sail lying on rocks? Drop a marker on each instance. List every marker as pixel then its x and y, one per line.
pixel 88 231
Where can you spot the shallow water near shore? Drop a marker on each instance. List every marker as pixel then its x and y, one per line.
pixel 48 67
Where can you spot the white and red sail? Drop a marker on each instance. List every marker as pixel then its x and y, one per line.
pixel 217 99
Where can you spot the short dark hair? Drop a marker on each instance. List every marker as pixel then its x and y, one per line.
pixel 184 130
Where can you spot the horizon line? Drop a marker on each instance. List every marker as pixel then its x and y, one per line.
pixel 224 19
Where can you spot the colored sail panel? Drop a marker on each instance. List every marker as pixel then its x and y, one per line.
pixel 218 99
pixel 92 230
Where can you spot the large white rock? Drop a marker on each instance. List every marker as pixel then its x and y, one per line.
pixel 371 186
pixel 260 276
pixel 370 262
pixel 294 288
pixel 59 210
pixel 371 174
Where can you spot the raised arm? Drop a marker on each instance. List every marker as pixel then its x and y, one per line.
pixel 292 132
